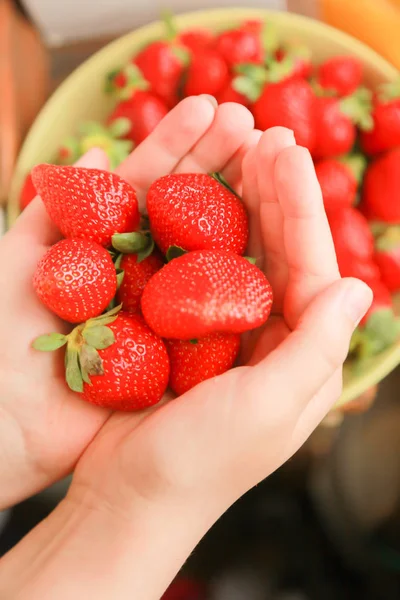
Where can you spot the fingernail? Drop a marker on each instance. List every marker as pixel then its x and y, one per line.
pixel 357 300
pixel 210 99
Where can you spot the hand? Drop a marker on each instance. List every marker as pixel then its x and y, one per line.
pixel 44 427
pixel 159 479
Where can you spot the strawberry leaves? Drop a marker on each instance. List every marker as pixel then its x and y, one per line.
pixel 82 358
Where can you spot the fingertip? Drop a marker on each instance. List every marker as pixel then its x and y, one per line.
pixel 356 298
pixel 94 158
pixel 237 115
pixel 276 140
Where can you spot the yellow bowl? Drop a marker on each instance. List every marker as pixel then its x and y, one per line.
pixel 81 97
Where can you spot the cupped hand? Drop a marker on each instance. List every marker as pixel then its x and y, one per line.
pixel 44 428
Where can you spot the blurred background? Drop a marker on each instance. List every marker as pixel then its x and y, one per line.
pixel 327 525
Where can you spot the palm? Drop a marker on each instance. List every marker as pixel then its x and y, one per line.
pixel 39 416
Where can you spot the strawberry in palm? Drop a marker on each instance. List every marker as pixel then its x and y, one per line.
pixel 195 211
pixel 197 360
pixel 137 273
pixel 204 292
pixel 114 361
pixel 76 279
pixel 87 203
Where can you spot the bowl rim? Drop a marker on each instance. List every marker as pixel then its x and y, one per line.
pixel 384 362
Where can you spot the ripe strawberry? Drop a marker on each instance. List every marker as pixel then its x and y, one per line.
pixel 342 74
pixel 387 257
pixel 385 133
pixel 136 275
pixel 229 94
pixel 144 111
pixel 381 189
pixel 204 292
pixel 194 211
pixel 207 73
pixel 87 203
pixel 241 45
pixel 28 192
pixel 196 39
pixel 114 361
pixel 351 233
pixel 162 64
pixel 336 121
pixel 300 59
pixel 338 184
pixel 289 104
pixel 195 361
pixel 351 265
pixel 76 279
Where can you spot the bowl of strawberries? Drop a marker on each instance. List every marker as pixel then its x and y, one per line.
pixel 340 98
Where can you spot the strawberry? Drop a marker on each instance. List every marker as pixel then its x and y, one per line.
pixel 240 45
pixel 341 74
pixel 338 184
pixel 351 265
pixel 339 180
pixel 114 361
pixel 381 189
pixel 162 64
pixel 204 292
pixel 136 275
pixel 28 192
pixel 143 110
pixel 290 104
pixel 387 257
pixel 195 361
pixel 299 57
pixel 76 279
pixel 87 203
pixel 385 133
pixel 229 94
pixel 196 39
pixel 207 73
pixel 336 121
pixel 184 589
pixel 195 211
pixel 351 233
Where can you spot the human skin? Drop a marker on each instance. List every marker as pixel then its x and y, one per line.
pixel 147 486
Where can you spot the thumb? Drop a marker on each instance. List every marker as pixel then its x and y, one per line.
pixel 318 346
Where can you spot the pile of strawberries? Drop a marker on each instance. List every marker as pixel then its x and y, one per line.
pixel 159 300
pixel 353 134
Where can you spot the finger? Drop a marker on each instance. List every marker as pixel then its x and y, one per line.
pixel 159 154
pixel 229 130
pixel 233 170
pixel 311 354
pixel 310 253
pixel 35 223
pixel 251 199
pixel 272 142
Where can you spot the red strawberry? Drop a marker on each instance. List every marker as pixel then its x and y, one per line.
pixel 342 74
pixel 338 184
pixel 196 39
pixel 300 59
pixel 28 192
pixel 351 265
pixel 194 211
pixel 207 73
pixel 381 189
pixel 229 94
pixel 351 233
pixel 114 361
pixel 289 104
pixel 144 110
pixel 387 257
pixel 162 64
pixel 184 589
pixel 382 301
pixel 195 361
pixel 76 279
pixel 241 45
pixel 136 275
pixel 87 203
pixel 385 133
pixel 204 292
